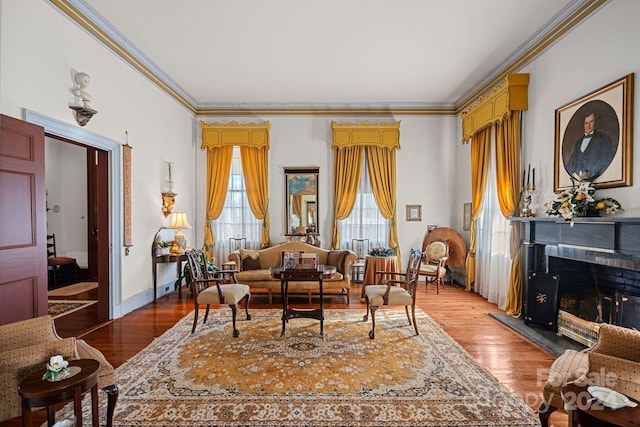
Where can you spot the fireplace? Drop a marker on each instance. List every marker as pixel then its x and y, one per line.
pixel 591 271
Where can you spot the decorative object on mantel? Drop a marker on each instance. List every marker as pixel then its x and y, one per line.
pixel 579 201
pixel 82 109
pixel 168 196
pixel 382 252
pixel 526 194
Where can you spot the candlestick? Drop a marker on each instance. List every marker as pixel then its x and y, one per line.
pixel 528 173
pixel 533 177
pixel 523 172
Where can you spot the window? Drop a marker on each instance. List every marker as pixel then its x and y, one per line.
pixel 236 219
pixel 365 221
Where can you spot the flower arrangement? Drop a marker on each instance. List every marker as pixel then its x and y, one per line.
pixel 580 200
pixel 57 369
pixel 382 252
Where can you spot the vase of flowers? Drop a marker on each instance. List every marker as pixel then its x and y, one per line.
pixel 382 252
pixel 580 201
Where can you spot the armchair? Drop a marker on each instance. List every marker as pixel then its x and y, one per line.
pixel 218 293
pixel 26 346
pixel 616 354
pixel 434 263
pixel 394 288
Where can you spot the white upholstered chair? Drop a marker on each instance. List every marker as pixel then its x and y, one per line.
pixel 434 262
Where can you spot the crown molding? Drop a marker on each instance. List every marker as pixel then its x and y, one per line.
pixel 92 22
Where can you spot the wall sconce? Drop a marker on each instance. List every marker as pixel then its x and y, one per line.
pixel 82 110
pixel 179 222
pixel 168 196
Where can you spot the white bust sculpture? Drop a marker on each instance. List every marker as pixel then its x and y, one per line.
pixel 82 79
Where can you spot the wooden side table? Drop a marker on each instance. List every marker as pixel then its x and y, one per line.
pixel 586 411
pixel 301 275
pixel 36 392
pixel 373 264
pixel 163 259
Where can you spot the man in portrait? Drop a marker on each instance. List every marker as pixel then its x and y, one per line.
pixel 592 153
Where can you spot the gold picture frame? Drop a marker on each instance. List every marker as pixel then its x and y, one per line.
pixel 414 212
pixel 605 158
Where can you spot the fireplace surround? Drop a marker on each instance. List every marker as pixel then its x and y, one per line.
pixel 595 263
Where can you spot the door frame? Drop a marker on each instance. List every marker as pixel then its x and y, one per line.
pixel 56 128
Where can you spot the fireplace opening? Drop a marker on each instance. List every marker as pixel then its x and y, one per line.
pixel 590 294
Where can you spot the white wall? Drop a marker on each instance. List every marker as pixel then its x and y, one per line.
pixel 599 51
pixel 39 51
pixel 423 170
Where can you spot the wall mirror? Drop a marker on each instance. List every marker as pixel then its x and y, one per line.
pixel 301 200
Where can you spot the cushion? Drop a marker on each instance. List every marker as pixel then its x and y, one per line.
pixel 244 254
pixel 250 264
pixel 436 250
pixel 336 259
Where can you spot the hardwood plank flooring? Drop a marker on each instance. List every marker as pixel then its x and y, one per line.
pixel 517 362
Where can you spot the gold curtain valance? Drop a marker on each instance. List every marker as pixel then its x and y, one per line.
pixel 492 108
pixel 234 133
pixel 366 133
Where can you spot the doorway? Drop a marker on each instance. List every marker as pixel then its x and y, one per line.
pixel 78 215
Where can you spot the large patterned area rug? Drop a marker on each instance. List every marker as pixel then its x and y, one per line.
pixel 343 379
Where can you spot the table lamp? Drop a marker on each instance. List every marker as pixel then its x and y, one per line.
pixel 179 222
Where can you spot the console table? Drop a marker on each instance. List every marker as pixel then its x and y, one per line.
pixel 301 275
pixel 163 259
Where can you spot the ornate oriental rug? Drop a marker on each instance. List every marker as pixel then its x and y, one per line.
pixel 59 308
pixel 343 379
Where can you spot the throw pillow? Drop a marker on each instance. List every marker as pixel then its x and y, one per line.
pixel 336 259
pixel 250 264
pixel 244 253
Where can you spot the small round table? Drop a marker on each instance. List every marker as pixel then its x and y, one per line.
pixel 37 392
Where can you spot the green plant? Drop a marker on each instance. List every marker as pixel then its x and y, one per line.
pixel 380 251
pixel 165 243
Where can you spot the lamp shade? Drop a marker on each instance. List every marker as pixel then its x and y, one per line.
pixel 179 221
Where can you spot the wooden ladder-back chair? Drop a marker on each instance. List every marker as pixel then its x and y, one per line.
pixel 361 248
pixel 394 288
pixel 63 270
pixel 210 288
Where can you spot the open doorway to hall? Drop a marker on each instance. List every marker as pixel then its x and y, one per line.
pixel 78 216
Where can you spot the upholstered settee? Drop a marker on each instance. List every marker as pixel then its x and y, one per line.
pixel 253 270
pixel 27 346
pixel 613 362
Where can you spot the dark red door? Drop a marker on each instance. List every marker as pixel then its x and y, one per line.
pixel 23 252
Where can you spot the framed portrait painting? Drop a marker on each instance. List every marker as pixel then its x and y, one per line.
pixel 593 138
pixel 414 212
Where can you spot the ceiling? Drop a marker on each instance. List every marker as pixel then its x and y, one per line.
pixel 414 55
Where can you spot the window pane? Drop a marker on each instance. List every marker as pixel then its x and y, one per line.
pixel 365 221
pixel 236 219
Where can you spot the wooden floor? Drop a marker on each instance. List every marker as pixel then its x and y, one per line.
pixel 515 361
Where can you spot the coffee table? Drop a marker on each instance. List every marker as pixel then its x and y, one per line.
pixel 587 411
pixel 36 392
pixel 301 275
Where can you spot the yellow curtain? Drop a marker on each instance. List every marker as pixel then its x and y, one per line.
pixel 296 204
pixel 218 167
pixel 381 162
pixel 347 167
pixel 480 149
pixel 508 173
pixel 255 168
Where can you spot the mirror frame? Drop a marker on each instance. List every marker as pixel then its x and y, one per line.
pixel 309 177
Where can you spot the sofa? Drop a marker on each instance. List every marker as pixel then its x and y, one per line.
pixel 27 346
pixel 615 354
pixel 253 270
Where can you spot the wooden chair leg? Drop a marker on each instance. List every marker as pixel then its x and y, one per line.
pixel 544 412
pixel 112 397
pixel 372 333
pixel 406 310
pixel 195 317
pixel 413 314
pixel 366 314
pixel 234 312
pixel 206 314
pixel 246 306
